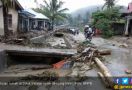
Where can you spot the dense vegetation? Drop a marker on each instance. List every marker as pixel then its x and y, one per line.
pixel 103 19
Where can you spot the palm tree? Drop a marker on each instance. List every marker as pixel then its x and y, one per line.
pixel 53 10
pixel 109 3
pixel 5 5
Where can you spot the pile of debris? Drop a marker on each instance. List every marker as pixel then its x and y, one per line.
pixel 21 38
pixel 33 34
pixel 87 58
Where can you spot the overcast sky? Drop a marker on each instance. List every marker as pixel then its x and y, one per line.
pixel 73 4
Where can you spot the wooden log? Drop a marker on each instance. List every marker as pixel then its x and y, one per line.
pixel 103 68
pixel 104 52
pixel 103 79
pixel 91 58
pixel 86 50
pixel 104 71
pixel 86 59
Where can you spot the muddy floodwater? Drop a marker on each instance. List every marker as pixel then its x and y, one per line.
pixel 120 59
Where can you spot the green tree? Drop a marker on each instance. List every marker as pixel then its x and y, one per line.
pixel 53 10
pixel 109 4
pixel 103 20
pixel 6 4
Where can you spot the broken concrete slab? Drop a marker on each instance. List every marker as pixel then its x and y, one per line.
pixel 34 51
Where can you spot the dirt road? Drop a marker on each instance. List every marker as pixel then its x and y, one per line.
pixel 120 60
pixel 121 57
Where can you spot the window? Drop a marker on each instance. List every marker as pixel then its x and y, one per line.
pixel 9 20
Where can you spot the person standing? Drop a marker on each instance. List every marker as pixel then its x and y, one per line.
pixel 86 31
pixel 90 33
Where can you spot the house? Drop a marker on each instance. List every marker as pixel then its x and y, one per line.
pixel 128 16
pixel 24 21
pixel 39 22
pixel 118 27
pixel 21 20
pixel 12 17
pixel 30 20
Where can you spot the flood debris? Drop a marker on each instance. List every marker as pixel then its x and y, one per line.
pixel 105 52
pixel 87 57
pixel 103 79
pixel 17 41
pixel 44 76
pixel 59 64
pixel 21 38
pixel 128 71
pixel 89 53
pixel 124 45
pixel 105 72
pixel 56 39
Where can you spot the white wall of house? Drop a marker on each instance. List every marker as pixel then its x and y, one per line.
pixel 14 14
pixel 1 21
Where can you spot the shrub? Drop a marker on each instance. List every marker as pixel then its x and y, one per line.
pixel 103 20
pixel 105 26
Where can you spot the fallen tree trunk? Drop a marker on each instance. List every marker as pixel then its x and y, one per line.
pixel 104 71
pixel 104 52
pixel 103 68
pixel 103 79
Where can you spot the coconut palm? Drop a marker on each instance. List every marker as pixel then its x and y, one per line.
pixel 53 10
pixel 109 3
pixel 5 5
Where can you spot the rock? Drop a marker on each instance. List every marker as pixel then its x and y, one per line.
pixel 113 45
pixel 128 71
pixel 124 45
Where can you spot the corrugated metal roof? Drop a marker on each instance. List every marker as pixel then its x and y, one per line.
pixel 37 15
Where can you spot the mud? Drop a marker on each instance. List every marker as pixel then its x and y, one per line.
pixel 120 60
